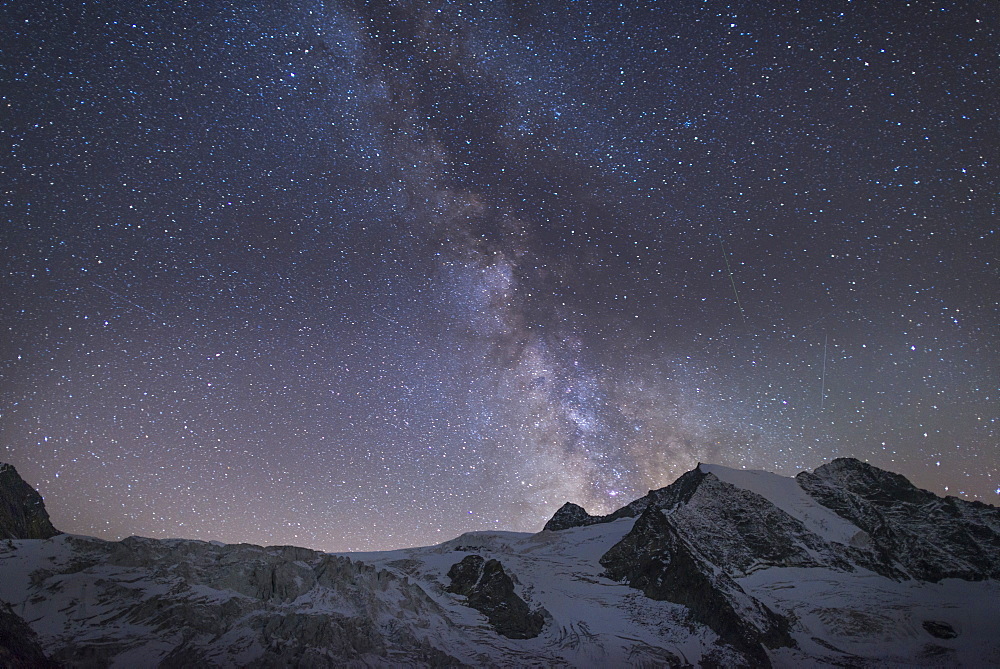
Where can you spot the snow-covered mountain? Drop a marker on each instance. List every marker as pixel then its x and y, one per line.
pixel 848 565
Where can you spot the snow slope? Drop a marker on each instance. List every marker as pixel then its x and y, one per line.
pixel 591 620
pixel 864 616
pixel 784 492
pixel 765 549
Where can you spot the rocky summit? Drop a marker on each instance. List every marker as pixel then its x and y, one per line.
pixel 848 565
pixel 22 512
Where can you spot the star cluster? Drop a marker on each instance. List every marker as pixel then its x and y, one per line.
pixel 360 275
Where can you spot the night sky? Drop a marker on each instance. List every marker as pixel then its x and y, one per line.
pixel 360 275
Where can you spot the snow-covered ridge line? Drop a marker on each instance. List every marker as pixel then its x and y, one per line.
pixel 723 567
pixel 786 494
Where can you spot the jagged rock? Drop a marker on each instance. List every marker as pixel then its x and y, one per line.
pixel 913 532
pixel 178 603
pixel 573 515
pixel 700 533
pixel 19 647
pixel 742 532
pixel 939 630
pixel 22 511
pixel 726 568
pixel 654 558
pixel 570 515
pixel 488 589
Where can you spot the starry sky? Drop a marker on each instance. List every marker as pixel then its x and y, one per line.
pixel 365 275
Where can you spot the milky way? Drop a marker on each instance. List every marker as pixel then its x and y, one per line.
pixel 364 275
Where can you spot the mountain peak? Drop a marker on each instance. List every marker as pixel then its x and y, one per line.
pixel 569 515
pixel 737 567
pixel 915 533
pixel 22 511
pixel 786 494
pixel 871 481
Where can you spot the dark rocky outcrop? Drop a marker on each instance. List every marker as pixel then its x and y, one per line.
pixel 570 515
pixel 573 515
pixel 22 511
pixel 939 630
pixel 655 558
pixel 19 648
pixel 693 538
pixel 488 589
pixel 914 532
pixel 740 531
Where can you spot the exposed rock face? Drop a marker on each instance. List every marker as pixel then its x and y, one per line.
pixel 725 567
pixel 914 532
pixel 573 515
pixel 667 557
pixel 939 630
pixel 694 537
pixel 22 512
pixel 178 603
pixel 19 647
pixel 570 515
pixel 489 590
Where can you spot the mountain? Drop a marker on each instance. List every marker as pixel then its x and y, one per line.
pixel 848 565
pixel 22 512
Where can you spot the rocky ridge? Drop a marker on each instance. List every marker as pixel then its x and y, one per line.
pixel 913 533
pixel 848 565
pixel 174 603
pixel 692 539
pixel 489 589
pixel 22 511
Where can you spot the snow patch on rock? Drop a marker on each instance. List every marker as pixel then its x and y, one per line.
pixel 784 492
